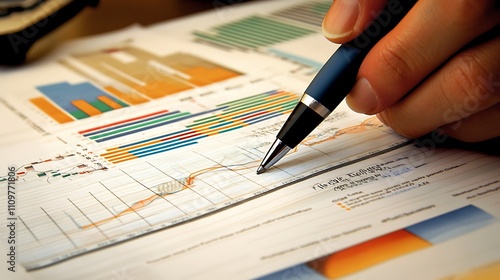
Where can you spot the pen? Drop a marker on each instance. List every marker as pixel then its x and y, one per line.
pixel 332 83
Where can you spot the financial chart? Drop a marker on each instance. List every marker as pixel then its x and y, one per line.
pixel 154 138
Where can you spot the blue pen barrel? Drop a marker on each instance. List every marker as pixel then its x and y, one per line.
pixel 337 77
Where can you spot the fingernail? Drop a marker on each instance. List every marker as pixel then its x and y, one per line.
pixel 362 97
pixel 340 20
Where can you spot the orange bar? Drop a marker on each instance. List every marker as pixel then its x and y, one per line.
pixel 204 75
pixel 108 101
pixel 161 87
pixel 86 107
pixel 369 253
pixel 121 150
pixel 51 110
pixel 115 161
pixel 130 98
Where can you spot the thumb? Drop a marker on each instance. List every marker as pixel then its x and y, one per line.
pixel 346 19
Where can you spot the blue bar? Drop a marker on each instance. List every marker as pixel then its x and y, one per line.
pixel 452 224
pixel 64 93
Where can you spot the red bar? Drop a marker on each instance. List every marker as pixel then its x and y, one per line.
pixel 120 122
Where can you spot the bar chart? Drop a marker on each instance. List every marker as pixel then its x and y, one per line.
pixel 225 117
pixel 137 76
pixel 65 102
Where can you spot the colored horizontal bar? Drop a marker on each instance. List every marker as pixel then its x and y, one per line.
pixel 315 65
pixel 262 31
pixel 260 95
pixel 166 149
pixel 230 112
pixel 156 138
pixel 225 41
pixel 266 117
pixel 139 126
pixel 311 13
pixel 164 146
pixel 122 159
pixel 51 110
pixel 120 122
pixel 276 99
pixel 231 128
pixel 207 122
pixel 174 138
pixel 119 126
pixel 269 105
pixel 184 116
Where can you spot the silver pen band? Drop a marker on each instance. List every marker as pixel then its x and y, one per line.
pixel 317 107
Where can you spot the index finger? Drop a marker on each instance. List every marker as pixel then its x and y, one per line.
pixel 429 35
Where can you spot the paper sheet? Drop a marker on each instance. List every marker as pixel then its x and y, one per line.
pixel 135 155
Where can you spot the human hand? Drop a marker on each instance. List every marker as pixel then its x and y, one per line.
pixel 439 68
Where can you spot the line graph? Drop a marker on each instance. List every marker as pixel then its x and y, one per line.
pixel 63 166
pixel 141 196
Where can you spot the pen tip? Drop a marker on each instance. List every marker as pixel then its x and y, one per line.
pixel 260 170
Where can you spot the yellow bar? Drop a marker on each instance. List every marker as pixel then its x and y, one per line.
pixel 51 110
pixel 122 160
pixel 108 101
pixel 229 116
pixel 86 107
pixel 112 151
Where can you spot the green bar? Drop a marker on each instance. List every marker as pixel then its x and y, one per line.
pixel 277 29
pixel 246 106
pixel 321 8
pixel 124 129
pixel 263 30
pixel 246 99
pixel 79 114
pixel 253 32
pixel 101 106
pixel 205 121
pixel 250 33
pixel 123 104
pixel 219 119
pixel 215 38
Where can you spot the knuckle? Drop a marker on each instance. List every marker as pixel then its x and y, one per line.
pixel 393 56
pixel 466 82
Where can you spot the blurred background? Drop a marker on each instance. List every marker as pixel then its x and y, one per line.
pixel 112 15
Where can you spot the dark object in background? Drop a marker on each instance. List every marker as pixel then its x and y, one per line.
pixel 22 23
